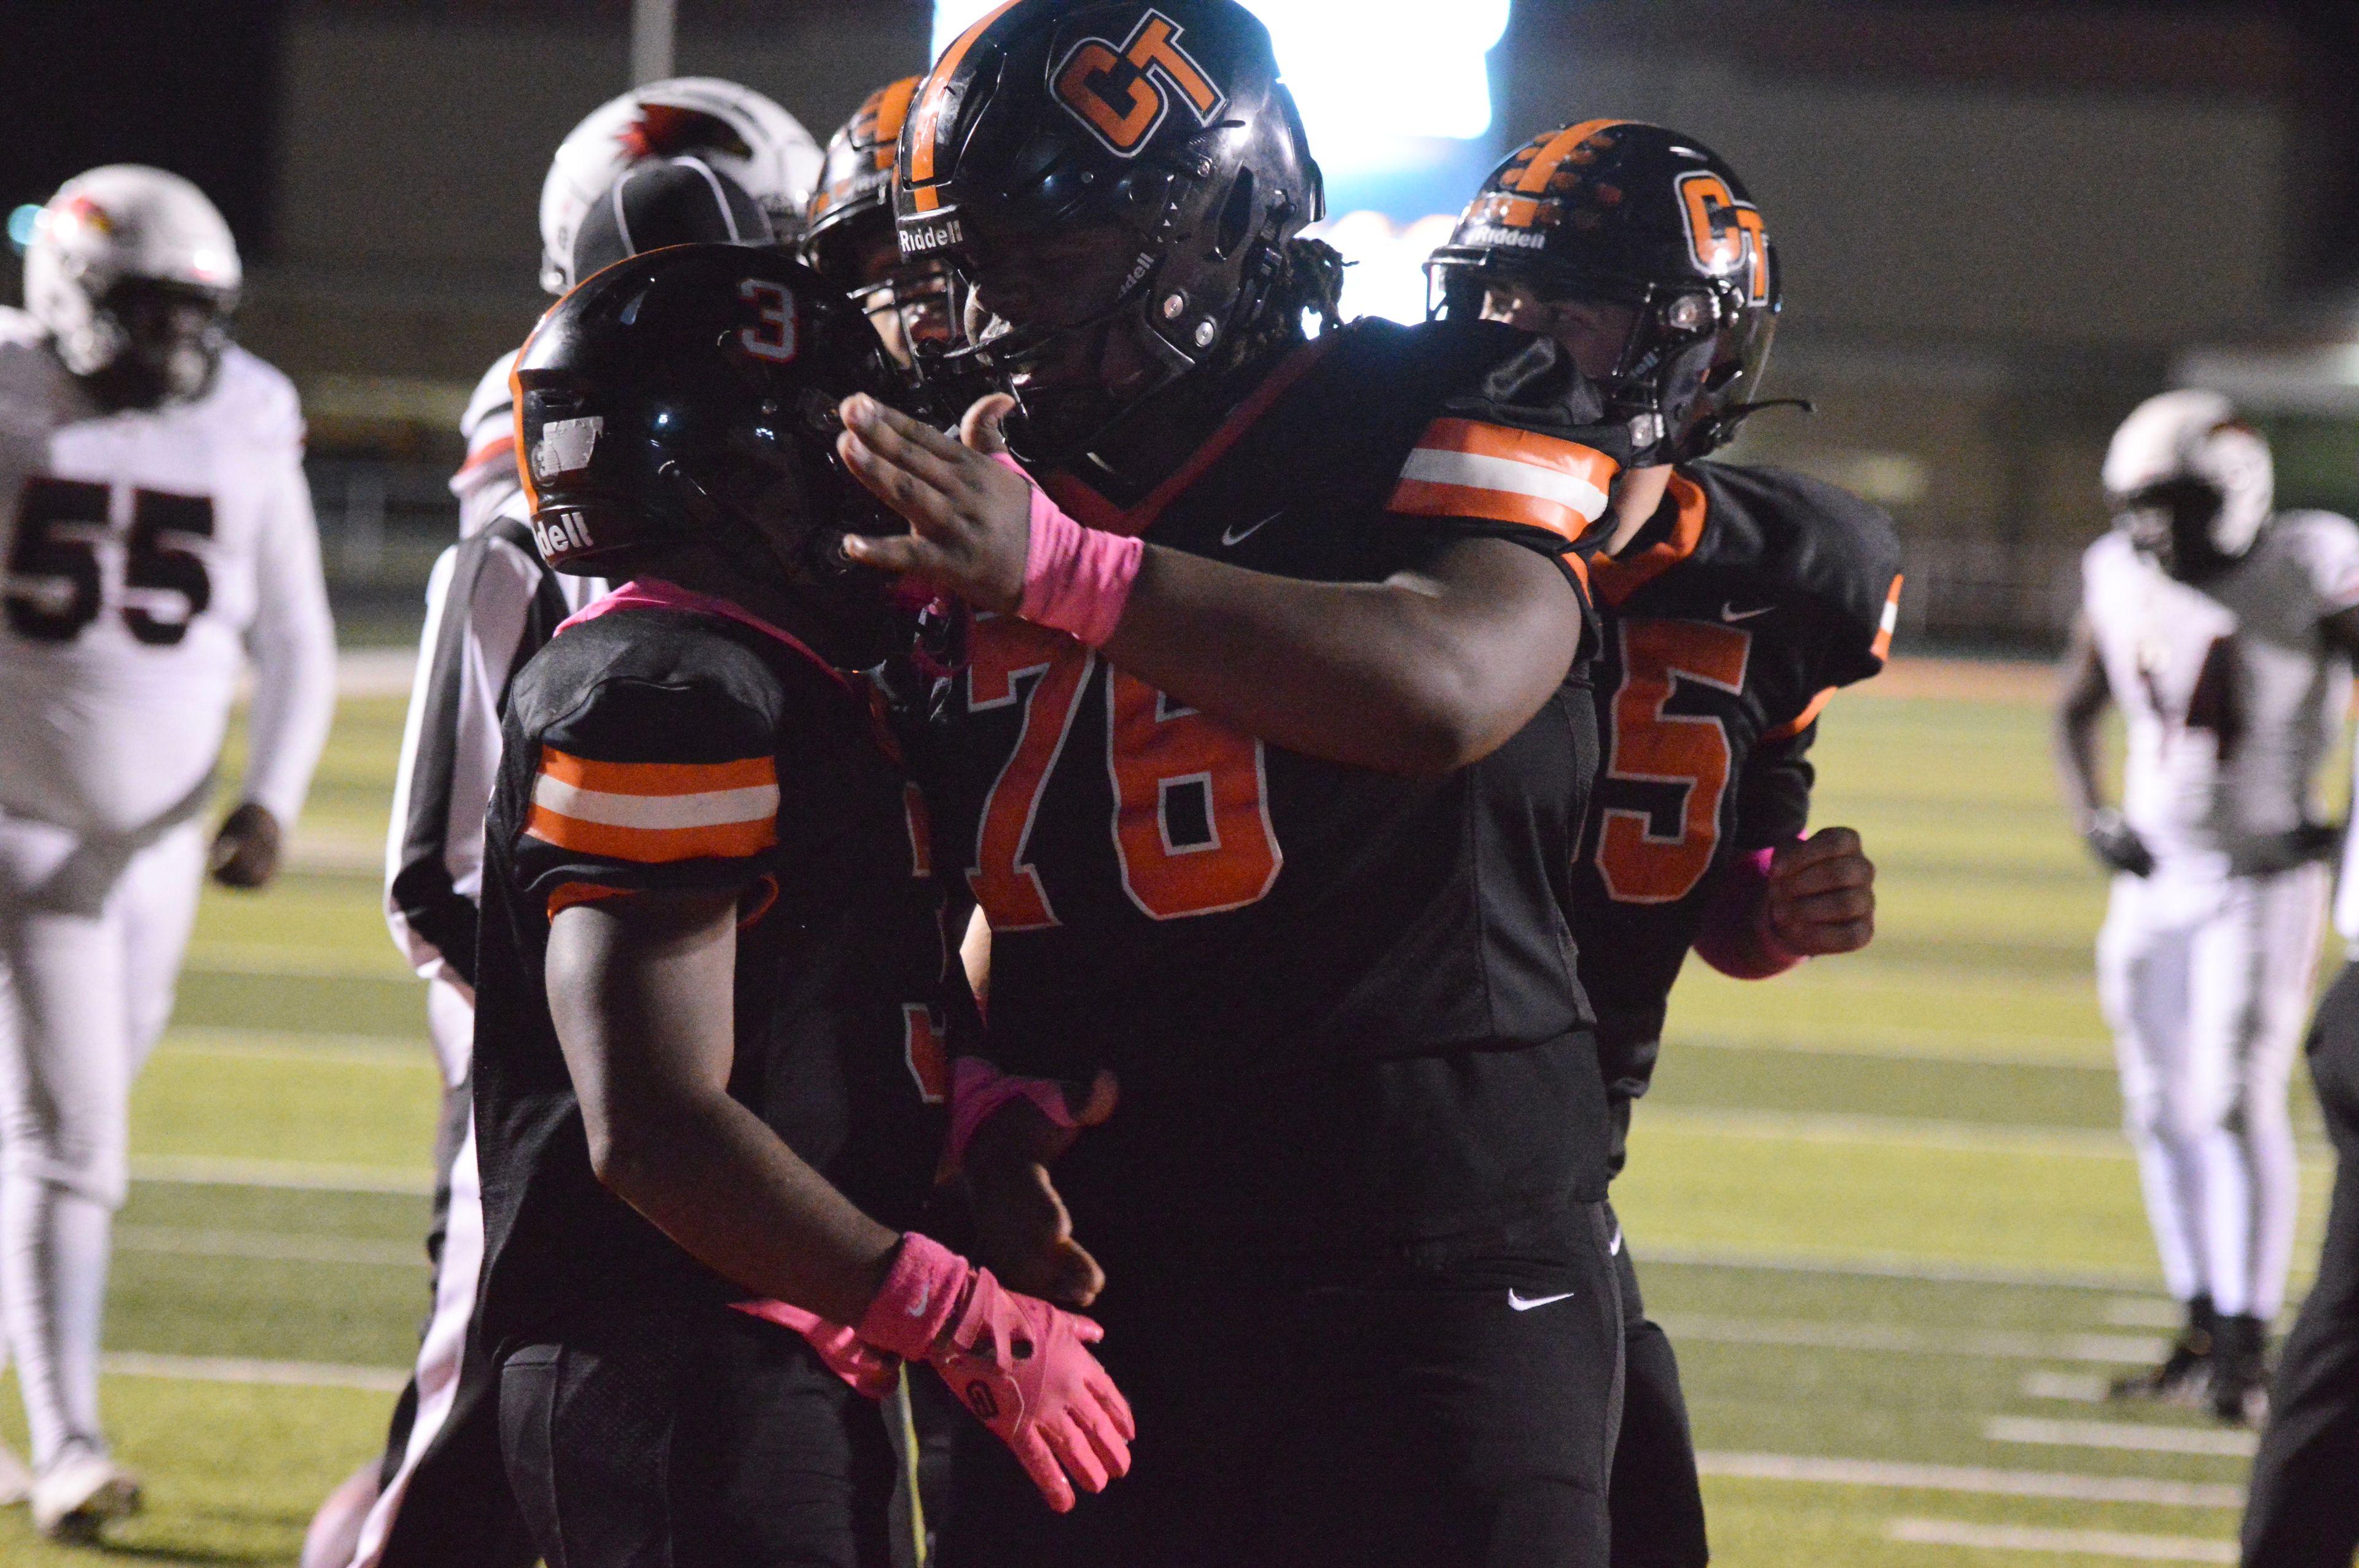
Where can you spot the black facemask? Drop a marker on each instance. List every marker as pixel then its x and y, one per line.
pixel 173 336
pixel 2171 522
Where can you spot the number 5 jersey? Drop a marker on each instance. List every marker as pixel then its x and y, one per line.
pixel 148 552
pixel 1730 620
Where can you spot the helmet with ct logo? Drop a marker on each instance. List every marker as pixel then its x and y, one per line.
pixel 1623 213
pixel 1162 125
pixel 2190 482
pixel 734 129
pixel 134 274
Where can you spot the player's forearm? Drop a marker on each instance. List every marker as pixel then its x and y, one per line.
pixel 1414 675
pixel 294 707
pixel 713 1176
pixel 2074 741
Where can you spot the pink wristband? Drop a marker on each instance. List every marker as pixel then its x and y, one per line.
pixel 1734 938
pixel 1076 580
pixel 919 1298
pixel 978 1089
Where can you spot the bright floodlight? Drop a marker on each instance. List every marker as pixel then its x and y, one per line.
pixel 1373 78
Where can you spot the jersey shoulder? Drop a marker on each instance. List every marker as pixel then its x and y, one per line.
pixel 255 400
pixel 1471 421
pixel 1810 541
pixel 487 418
pixel 644 745
pixel 35 389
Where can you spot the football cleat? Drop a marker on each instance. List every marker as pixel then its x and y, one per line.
pixel 79 1491
pixel 2240 1372
pixel 2184 1377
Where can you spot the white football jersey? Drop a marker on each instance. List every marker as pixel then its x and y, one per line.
pixel 486 484
pixel 147 554
pixel 2232 696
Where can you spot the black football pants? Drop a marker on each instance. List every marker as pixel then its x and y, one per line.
pixel 1451 1405
pixel 700 1438
pixel 1656 1500
pixel 2304 1506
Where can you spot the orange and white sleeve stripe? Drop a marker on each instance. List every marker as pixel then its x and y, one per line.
pixel 656 812
pixel 1464 467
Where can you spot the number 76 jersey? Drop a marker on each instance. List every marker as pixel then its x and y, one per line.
pixel 1749 599
pixel 141 550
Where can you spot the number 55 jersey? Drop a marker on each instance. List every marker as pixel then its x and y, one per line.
pixel 1341 1002
pixel 147 552
pixel 1749 599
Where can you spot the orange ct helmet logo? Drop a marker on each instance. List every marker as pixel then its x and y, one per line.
pixel 1724 233
pixel 1122 93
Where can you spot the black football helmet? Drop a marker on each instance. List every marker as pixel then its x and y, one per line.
pixel 668 202
pixel 1164 123
pixel 851 242
pixel 1639 215
pixel 688 395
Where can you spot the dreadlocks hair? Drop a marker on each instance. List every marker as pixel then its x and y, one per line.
pixel 1304 277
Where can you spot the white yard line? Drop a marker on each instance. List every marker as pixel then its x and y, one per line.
pixel 2079 1388
pixel 1905 1132
pixel 1887 1267
pixel 302 1176
pixel 375 672
pixel 282 1045
pixel 2079 1543
pixel 237 1369
pixel 2145 1311
pixel 2224 1441
pixel 1971 1479
pixel 269 1245
pixel 2124 1349
pixel 269 958
pixel 1914 1043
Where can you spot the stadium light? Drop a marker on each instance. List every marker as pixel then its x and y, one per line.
pixel 1396 96
pixel 21 225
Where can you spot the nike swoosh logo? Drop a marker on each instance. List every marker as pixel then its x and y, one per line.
pixel 1728 610
pixel 1239 536
pixel 1526 1303
pixel 925 1295
pixel 1614 1248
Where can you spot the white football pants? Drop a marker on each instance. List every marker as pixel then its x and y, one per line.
pixel 451 1019
pixel 2205 979
pixel 92 933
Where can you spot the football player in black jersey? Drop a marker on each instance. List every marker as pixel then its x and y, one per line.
pixel 1735 600
pixel 1269 780
pixel 714 995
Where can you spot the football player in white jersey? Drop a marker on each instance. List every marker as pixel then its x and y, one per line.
pixel 158 537
pixel 668 163
pixel 2225 632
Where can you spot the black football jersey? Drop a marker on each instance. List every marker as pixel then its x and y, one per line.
pixel 1338 1000
pixel 1745 603
pixel 664 749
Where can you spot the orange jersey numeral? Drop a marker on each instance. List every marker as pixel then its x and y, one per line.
pixel 1006 651
pixel 924 1046
pixel 1652 747
pixel 1191 814
pixel 1190 822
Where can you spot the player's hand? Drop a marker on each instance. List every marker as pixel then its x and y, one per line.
pixel 2117 843
pixel 1023 1368
pixel 1022 1226
pixel 245 851
pixel 1822 894
pixel 970 518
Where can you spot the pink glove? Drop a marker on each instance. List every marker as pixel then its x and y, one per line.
pixel 867 1369
pixel 1019 1364
pixel 978 1089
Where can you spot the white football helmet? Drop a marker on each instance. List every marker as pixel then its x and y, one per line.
pixel 2197 436
pixel 126 222
pixel 734 129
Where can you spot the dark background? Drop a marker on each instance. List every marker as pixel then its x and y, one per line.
pixel 2001 224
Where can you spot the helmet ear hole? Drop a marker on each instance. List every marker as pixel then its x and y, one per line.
pixel 1237 217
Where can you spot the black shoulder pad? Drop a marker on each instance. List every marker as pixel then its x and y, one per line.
pixel 1828 545
pixel 654 686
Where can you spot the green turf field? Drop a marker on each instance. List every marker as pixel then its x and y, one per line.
pixel 1880 1204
